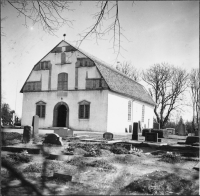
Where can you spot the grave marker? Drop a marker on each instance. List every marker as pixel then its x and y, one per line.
pixel 53 138
pixel 139 126
pixel 62 176
pixel 151 137
pixel 35 124
pixel 135 131
pixel 130 129
pixel 108 136
pixel 181 129
pixel 192 139
pixel 156 125
pixel 26 134
pixel 64 132
pixel 144 131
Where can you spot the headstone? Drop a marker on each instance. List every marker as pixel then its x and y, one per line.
pixel 53 138
pixel 192 139
pixel 151 137
pixel 135 131
pixel 171 131
pixel 26 134
pixel 108 136
pixel 156 125
pixel 144 131
pixel 64 132
pixel 162 133
pixel 63 177
pixel 181 129
pixel 139 126
pixel 130 129
pixel 35 124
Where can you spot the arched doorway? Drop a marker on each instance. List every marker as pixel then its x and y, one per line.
pixel 61 115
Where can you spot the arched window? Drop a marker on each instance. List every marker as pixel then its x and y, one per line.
pixel 63 81
pixel 84 109
pixel 40 109
pixel 63 58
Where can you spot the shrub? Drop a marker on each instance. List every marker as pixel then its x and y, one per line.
pixel 20 157
pixel 171 157
pixel 119 149
pixel 160 183
pixel 35 167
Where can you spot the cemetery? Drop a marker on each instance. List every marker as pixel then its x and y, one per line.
pixel 67 162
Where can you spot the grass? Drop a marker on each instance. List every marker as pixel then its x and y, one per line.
pixel 17 158
pixel 171 157
pixel 160 183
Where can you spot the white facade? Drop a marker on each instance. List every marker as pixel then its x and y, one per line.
pixel 108 110
pixel 118 113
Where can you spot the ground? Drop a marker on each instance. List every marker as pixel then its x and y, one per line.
pixel 99 168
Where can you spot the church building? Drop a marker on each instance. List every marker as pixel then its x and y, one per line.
pixel 70 88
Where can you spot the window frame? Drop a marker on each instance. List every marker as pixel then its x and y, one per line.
pixel 84 110
pixel 129 110
pixel 143 113
pixel 41 109
pixel 62 84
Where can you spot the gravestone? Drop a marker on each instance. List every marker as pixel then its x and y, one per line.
pixel 162 133
pixel 144 131
pixel 135 131
pixel 139 126
pixel 35 124
pixel 53 138
pixel 64 132
pixel 156 125
pixel 171 131
pixel 26 134
pixel 181 129
pixel 192 139
pixel 108 136
pixel 62 176
pixel 151 137
pixel 130 129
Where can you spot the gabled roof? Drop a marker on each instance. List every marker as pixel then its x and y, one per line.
pixel 116 81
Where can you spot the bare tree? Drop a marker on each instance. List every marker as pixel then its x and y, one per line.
pixel 167 85
pixel 49 14
pixel 194 88
pixel 128 69
pixel 46 13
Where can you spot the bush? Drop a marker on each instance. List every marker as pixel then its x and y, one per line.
pixel 20 157
pixel 35 167
pixel 171 157
pixel 160 183
pixel 119 149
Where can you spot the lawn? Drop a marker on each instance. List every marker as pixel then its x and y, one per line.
pixel 100 169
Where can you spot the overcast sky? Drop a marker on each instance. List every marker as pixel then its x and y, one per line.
pixel 156 31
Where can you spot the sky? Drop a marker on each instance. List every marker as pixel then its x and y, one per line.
pixel 154 32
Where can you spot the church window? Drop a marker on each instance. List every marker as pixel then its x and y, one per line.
pixel 63 81
pixel 40 109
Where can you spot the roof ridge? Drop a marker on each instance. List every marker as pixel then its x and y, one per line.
pixel 103 62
